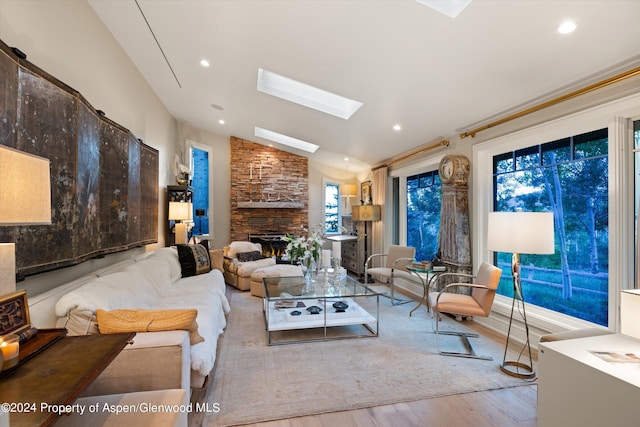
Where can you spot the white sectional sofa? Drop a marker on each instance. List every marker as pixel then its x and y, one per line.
pixel 156 360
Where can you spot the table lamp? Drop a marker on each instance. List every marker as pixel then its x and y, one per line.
pixel 180 212
pixel 520 233
pixel 25 199
pixel 347 191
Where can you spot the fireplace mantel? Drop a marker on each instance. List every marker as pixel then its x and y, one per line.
pixel 270 205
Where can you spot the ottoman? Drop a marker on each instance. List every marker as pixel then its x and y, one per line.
pixel 278 270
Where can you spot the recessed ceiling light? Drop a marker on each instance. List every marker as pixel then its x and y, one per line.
pixel 567 27
pixel 221 121
pixel 451 8
pixel 307 95
pixel 285 140
pixel 397 128
pixel 346 159
pixel 204 63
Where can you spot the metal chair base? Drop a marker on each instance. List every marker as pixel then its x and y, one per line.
pixel 464 337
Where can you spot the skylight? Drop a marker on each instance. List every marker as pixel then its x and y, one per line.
pixel 285 140
pixel 451 8
pixel 304 94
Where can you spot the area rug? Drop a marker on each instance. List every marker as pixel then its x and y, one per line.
pixel 254 382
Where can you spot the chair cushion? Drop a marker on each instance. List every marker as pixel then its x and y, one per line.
pixel 386 273
pixel 244 269
pixel 456 304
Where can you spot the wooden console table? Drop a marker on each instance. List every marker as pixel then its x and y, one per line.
pixel 57 376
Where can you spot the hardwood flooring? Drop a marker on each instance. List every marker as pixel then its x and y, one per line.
pixel 516 406
pixel 497 408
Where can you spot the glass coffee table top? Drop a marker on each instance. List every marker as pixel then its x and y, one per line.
pixel 287 287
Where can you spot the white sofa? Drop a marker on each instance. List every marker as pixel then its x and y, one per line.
pixel 156 360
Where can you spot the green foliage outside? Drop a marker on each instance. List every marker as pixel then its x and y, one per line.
pixel 568 177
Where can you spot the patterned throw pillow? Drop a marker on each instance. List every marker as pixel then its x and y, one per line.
pixel 249 256
pixel 194 259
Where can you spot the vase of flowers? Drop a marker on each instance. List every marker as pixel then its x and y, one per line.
pixel 305 250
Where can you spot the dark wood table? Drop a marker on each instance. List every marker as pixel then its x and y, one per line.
pixel 57 376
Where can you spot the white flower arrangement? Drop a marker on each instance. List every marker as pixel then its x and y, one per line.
pixel 305 249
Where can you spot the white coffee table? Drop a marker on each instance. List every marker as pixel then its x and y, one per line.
pixel 286 311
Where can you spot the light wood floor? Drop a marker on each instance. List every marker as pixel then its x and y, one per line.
pixel 508 407
pixel 497 408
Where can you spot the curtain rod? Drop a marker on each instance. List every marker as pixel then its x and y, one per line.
pixel 441 143
pixel 587 89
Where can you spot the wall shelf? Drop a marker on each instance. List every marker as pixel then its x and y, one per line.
pixel 270 205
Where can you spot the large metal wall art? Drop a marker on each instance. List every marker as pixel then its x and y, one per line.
pixel 104 181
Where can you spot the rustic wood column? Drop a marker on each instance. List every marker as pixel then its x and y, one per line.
pixel 453 240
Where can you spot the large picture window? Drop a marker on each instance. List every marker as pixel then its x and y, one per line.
pixel 568 177
pixel 423 213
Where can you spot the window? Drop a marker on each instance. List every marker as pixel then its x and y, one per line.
pixel 568 177
pixel 199 157
pixel 332 207
pixel 423 213
pixel 200 184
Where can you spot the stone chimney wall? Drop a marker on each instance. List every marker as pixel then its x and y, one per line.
pixel 266 175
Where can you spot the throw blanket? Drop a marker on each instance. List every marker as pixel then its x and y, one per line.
pixel 148 284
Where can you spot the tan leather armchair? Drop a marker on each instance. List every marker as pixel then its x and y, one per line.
pixel 397 260
pixel 477 303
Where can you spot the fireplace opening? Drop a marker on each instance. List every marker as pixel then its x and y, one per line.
pixel 273 245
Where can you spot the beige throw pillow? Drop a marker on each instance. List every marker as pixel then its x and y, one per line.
pixel 134 320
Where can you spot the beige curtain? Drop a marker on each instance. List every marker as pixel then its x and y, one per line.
pixel 379 195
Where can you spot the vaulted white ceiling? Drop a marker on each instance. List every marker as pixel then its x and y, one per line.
pixel 408 64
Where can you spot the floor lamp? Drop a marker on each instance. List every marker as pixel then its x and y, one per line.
pixel 366 213
pixel 520 233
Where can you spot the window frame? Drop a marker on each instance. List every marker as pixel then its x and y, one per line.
pixel 325 184
pixel 617 117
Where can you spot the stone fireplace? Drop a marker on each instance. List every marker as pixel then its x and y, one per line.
pixel 269 191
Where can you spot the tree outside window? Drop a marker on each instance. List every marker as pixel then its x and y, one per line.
pixel 424 198
pixel 568 177
pixel 332 208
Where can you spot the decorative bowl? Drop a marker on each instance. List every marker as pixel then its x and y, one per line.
pixel 314 309
pixel 340 306
pixel 295 313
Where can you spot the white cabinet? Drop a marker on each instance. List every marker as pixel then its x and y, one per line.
pixel 578 388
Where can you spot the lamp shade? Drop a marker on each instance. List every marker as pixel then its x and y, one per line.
pixel 366 213
pixel 521 232
pixel 25 188
pixel 347 190
pixel 180 211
